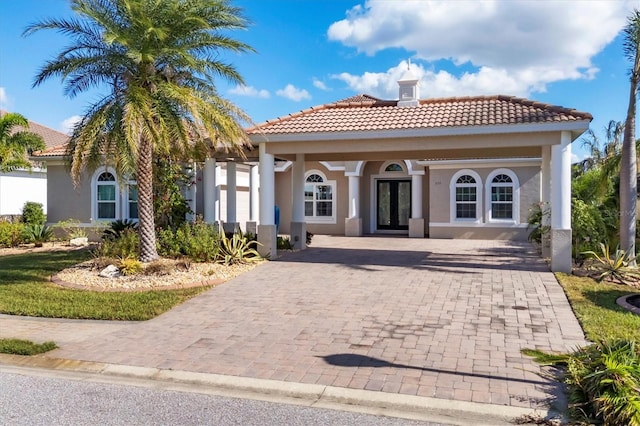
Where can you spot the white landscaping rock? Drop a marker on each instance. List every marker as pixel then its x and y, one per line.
pixel 79 242
pixel 110 271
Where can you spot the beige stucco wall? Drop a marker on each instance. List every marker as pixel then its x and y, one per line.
pixel 439 183
pixel 284 198
pixel 63 200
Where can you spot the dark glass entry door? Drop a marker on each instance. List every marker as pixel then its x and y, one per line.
pixel 394 204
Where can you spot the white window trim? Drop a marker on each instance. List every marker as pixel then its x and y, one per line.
pixel 452 197
pixel 94 195
pixel 334 201
pixel 516 196
pixel 125 201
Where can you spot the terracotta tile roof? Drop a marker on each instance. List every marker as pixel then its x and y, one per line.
pixel 51 137
pixel 366 113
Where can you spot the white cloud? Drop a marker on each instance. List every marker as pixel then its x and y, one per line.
pixel 318 84
pixel 250 91
pixel 67 124
pixel 293 93
pixel 511 47
pixel 4 99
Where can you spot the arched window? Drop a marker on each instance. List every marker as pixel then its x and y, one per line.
pixel 502 196
pixel 394 167
pixel 112 200
pixel 319 198
pixel 106 190
pixel 465 196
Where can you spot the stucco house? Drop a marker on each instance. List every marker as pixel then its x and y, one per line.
pixel 468 167
pixel 19 186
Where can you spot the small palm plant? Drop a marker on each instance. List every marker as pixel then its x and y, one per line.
pixel 613 266
pixel 38 234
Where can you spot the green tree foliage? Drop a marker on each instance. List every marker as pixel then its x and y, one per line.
pixel 158 59
pixel 16 142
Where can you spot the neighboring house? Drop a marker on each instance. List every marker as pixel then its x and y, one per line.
pixel 468 167
pixel 20 186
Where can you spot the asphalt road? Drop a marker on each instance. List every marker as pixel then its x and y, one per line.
pixel 27 399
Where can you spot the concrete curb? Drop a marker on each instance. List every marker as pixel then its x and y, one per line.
pixel 370 402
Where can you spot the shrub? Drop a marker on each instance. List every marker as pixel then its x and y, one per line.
pixel 129 266
pixel 72 228
pixel 238 249
pixel 200 242
pixel 127 246
pixel 33 214
pixel 11 234
pixel 537 230
pixel 284 243
pixel 603 381
pixel 38 234
pixel 588 226
pixel 117 227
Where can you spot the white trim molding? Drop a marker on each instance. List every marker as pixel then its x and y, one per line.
pixel 515 201
pixel 452 197
pixel 334 198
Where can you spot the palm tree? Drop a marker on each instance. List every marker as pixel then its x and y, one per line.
pixel 16 144
pixel 628 166
pixel 158 59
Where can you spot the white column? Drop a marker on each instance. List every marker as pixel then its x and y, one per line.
pixel 267 187
pixel 561 183
pixel 231 191
pixel 297 188
pixel 561 205
pixel 209 188
pixel 354 196
pixel 545 197
pixel 267 236
pixel 254 194
pixel 416 196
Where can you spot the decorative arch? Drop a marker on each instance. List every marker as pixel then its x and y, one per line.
pixel 503 196
pixel 393 167
pixel 465 197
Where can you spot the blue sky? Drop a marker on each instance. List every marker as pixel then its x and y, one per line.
pixel 311 52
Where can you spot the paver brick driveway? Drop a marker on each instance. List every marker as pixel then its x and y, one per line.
pixel 438 318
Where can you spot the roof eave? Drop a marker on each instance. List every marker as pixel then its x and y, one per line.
pixel 576 127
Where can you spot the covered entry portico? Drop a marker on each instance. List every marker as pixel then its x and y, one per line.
pixel 452 168
pixel 551 148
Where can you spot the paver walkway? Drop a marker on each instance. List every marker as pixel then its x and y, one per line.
pixel 437 318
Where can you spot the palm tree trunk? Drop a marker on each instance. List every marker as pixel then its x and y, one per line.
pixel 148 250
pixel 628 177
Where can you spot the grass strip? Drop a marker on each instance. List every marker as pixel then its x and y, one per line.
pixel 25 347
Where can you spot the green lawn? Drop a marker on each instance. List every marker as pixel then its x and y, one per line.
pixel 25 290
pixel 595 306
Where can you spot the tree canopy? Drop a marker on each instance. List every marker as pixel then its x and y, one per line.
pixel 157 60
